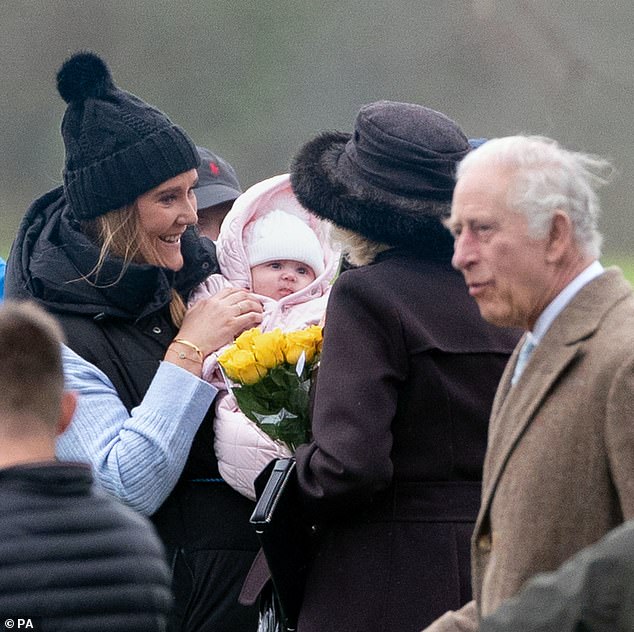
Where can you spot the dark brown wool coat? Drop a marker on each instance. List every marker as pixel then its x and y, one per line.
pixel 407 378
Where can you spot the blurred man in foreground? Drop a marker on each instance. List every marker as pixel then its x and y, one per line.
pixel 71 558
pixel 593 591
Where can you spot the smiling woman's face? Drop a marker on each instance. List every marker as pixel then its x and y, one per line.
pixel 164 214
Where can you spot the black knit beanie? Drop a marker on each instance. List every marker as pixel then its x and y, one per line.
pixel 117 146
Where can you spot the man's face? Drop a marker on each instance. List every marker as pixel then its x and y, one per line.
pixel 210 219
pixel 505 270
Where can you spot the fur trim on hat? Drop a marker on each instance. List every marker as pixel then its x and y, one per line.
pixel 381 216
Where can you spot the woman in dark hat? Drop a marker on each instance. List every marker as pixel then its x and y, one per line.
pixel 113 253
pixel 406 380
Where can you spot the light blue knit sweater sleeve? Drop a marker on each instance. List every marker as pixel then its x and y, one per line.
pixel 137 457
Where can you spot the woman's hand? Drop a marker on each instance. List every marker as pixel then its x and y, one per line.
pixel 214 322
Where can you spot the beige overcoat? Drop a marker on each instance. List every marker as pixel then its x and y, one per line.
pixel 559 469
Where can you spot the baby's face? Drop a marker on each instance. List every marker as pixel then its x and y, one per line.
pixel 277 279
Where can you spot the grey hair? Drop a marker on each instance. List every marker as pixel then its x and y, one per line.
pixel 549 177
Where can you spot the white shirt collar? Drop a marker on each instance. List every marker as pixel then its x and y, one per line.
pixel 556 306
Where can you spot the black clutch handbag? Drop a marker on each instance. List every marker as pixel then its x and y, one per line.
pixel 286 538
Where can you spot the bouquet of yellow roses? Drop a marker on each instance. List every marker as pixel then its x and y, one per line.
pixel 270 374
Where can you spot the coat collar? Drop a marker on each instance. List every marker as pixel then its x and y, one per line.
pixel 258 200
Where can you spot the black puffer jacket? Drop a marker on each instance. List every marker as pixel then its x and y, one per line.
pixel 124 329
pixel 75 559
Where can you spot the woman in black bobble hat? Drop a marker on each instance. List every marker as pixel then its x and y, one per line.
pixel 406 380
pixel 113 253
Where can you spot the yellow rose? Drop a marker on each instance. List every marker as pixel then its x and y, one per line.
pixel 269 348
pixel 245 339
pixel 317 332
pixel 241 366
pixel 226 360
pixel 307 340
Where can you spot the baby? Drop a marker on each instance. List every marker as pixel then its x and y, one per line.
pixel 270 245
pixel 284 255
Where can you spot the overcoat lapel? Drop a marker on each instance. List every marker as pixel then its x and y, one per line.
pixel 514 408
pixel 520 405
pixel 505 383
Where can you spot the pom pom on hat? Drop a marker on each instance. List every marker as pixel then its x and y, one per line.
pixel 279 235
pixel 117 146
pixel 82 76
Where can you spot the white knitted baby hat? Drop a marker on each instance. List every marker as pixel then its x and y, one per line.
pixel 281 235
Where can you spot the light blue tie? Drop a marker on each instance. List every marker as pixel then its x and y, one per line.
pixel 522 358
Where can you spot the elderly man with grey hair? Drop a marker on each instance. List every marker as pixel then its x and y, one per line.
pixel 559 469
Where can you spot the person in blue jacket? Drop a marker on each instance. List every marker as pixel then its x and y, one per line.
pixel 3 265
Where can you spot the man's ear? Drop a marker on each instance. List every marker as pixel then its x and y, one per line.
pixel 67 410
pixel 560 237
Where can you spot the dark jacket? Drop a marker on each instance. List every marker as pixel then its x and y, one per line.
pixel 72 558
pixel 124 330
pixel 593 592
pixel 406 382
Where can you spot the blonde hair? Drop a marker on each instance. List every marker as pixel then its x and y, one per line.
pixel 356 248
pixel 119 233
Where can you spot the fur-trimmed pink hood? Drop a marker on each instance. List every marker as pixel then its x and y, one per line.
pixel 241 447
pixel 261 198
pixel 299 309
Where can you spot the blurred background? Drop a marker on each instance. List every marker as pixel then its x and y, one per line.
pixel 254 80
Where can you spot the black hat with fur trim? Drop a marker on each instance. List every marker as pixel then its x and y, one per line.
pixel 117 146
pixel 391 181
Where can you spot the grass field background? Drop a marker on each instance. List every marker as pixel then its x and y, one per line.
pixel 625 262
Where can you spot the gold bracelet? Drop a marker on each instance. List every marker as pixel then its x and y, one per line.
pixel 183 356
pixel 191 345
